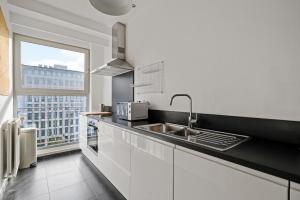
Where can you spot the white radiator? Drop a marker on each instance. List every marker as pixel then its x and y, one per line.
pixel 10 148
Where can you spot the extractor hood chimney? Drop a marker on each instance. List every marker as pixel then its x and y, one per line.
pixel 118 65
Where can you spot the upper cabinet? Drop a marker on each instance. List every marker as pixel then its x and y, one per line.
pixel 151 169
pixel 204 176
pixel 295 191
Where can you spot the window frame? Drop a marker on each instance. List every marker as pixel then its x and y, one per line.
pixel 19 90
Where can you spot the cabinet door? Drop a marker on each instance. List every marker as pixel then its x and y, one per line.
pixel 295 191
pixel 83 131
pixel 82 125
pixel 200 178
pixel 151 170
pixel 114 156
pixel 121 149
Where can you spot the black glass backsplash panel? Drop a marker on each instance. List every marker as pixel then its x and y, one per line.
pixel 270 129
pixel 121 90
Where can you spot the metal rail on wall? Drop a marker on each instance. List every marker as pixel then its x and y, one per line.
pixel 149 78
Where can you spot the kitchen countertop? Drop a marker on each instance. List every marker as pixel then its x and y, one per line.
pixel 278 159
pixel 96 113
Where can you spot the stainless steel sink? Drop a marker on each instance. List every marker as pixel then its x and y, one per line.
pixel 186 132
pixel 161 128
pixel 212 139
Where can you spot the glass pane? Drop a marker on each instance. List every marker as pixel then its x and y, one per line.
pixel 51 68
pixel 55 117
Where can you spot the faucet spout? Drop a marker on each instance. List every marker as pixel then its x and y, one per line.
pixel 191 120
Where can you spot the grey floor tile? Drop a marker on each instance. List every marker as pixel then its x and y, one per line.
pixel 28 175
pixel 59 166
pixel 78 159
pixel 58 159
pixel 79 191
pixel 32 190
pixel 70 176
pixel 64 179
pixel 42 197
pixel 76 155
pixel 110 196
pixel 98 186
pixel 87 171
pixel 9 195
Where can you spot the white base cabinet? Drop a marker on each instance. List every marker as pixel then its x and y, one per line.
pixel 144 168
pixel 82 127
pixel 295 191
pixel 151 169
pixel 92 156
pixel 114 156
pixel 204 177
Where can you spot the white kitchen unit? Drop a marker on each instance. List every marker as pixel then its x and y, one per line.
pixel 92 156
pixel 151 169
pixel 146 168
pixel 198 175
pixel 83 132
pixel 83 125
pixel 114 156
pixel 295 191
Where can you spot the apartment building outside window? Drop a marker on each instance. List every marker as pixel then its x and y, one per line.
pixel 51 86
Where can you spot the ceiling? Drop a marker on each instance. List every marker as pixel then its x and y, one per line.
pixel 82 8
pixel 79 12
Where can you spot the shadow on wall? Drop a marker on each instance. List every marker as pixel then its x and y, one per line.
pixel 5 106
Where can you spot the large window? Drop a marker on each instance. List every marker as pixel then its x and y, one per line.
pixel 51 86
pixel 44 67
pixel 54 119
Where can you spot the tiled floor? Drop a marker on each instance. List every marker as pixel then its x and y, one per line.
pixel 63 177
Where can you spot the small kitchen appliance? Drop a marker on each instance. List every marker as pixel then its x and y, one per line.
pixel 132 110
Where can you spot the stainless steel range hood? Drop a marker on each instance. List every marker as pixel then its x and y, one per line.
pixel 118 65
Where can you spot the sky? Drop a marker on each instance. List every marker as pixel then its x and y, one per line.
pixel 34 54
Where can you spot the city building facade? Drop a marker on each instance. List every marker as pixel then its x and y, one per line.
pixel 55 117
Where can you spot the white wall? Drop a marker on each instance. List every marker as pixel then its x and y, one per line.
pixel 101 92
pixel 107 80
pixel 234 57
pixel 6 102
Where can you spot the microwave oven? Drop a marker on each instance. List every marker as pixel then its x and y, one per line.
pixel 132 110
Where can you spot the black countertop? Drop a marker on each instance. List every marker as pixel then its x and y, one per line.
pixel 270 157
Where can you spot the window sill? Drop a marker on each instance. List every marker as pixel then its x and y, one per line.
pixel 56 150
